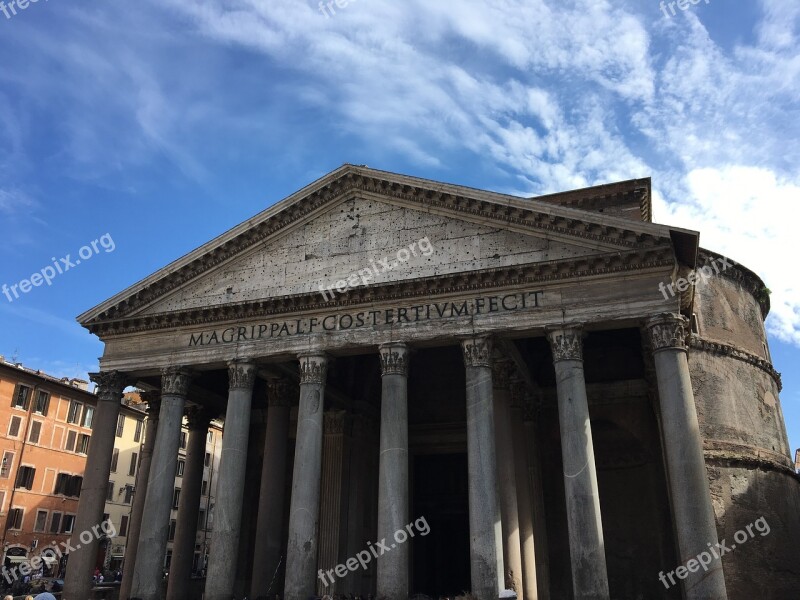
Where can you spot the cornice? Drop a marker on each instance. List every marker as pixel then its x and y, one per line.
pixel 428 287
pixel 497 212
pixel 721 349
pixel 730 454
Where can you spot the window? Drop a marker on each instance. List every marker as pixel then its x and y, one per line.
pixel 110 492
pixel 114 460
pixel 137 435
pixel 176 497
pixel 201 519
pixel 183 440
pixel 207 460
pixel 74 413
pixel 36 430
pixel 171 530
pixel 69 445
pixel 2 500
pixel 120 425
pixel 204 489
pixel 68 485
pixel 128 494
pixel 132 466
pixel 8 462
pixel 68 523
pixel 55 522
pixel 210 437
pixel 21 397
pixel 123 526
pixel 181 467
pixel 83 444
pixel 42 403
pixel 25 477
pixel 15 518
pixel 88 417
pixel 14 425
pixel 41 521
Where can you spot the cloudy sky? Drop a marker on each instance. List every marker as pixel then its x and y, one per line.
pixel 162 124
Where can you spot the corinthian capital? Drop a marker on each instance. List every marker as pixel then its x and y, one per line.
pixel 313 368
pixel 394 359
pixel 477 351
pixel 175 381
pixel 667 331
pixel 566 343
pixel 109 385
pixel 241 375
pixel 502 370
pixel 279 392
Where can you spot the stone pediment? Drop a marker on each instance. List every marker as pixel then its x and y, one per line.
pixel 357 219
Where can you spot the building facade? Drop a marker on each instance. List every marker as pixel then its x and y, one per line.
pixel 45 429
pixel 429 388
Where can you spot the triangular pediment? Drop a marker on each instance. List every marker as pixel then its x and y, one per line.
pixel 357 219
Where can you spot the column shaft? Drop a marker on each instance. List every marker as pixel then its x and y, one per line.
pixel 223 558
pixel 586 548
pixel 267 552
pixel 692 511
pixel 95 484
pixel 393 499
pixel 506 476
pixel 301 554
pixel 180 571
pixel 486 545
pixel 534 478
pixel 148 571
pixel 153 400
pixel 524 504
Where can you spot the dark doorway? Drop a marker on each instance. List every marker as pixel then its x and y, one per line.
pixel 441 558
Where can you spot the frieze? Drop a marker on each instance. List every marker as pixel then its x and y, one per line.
pixel 372 318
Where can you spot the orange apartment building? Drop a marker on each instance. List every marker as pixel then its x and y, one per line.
pixel 45 432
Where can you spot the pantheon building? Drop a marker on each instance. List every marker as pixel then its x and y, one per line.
pixel 430 389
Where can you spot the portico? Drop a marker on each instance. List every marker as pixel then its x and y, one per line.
pixel 393 401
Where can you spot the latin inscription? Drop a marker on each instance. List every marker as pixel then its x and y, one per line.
pixel 369 318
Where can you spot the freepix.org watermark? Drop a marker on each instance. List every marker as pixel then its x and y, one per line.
pixel 330 4
pixel 705 273
pixel 10 9
pixel 59 267
pixel 363 558
pixel 364 276
pixel 682 4
pixel 33 565
pixel 715 552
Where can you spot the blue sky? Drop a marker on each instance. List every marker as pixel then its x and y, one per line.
pixel 162 124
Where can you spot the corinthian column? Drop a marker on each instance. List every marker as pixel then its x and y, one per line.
pixel 692 512
pixel 152 547
pixel 524 502
pixel 223 558
pixel 153 400
pixel 502 369
pixel 180 571
pixel 267 552
pixel 586 549
pixel 95 483
pixel 485 528
pixel 393 510
pixel 301 555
